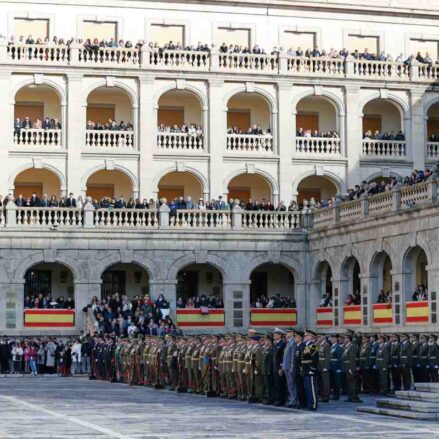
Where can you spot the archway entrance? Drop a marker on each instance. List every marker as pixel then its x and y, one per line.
pixel 39 181
pixel 249 187
pixel 180 184
pixel 351 284
pixel 110 184
pixel 318 187
pixel 124 279
pixel 415 271
pixel 272 283
pixel 199 285
pixel 380 271
pixel 324 276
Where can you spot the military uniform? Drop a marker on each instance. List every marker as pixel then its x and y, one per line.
pixel 364 365
pixel 382 360
pixel 324 368
pixel 394 363
pixel 336 369
pixel 349 367
pixel 279 380
pixel 424 373
pixel 310 368
pixel 405 362
pixel 433 359
pixel 268 372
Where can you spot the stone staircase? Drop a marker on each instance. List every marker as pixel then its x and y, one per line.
pixel 422 403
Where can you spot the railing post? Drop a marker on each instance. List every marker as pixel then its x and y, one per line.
pixel 236 217
pixel 164 215
pixel 145 56
pixel 336 212
pixel 11 214
pixel 414 71
pixel 364 205
pixel 89 213
pixel 214 59
pixel 396 199
pixel 3 50
pixel 349 67
pixel 283 63
pixel 432 190
pixel 74 53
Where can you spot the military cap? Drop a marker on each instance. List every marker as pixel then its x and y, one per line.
pixel 290 329
pixel 349 335
pixel 251 331
pixel 278 331
pixel 309 331
pixel 415 336
pixel 255 337
pixel 382 336
pixel 299 332
pixel 405 335
pixel 433 336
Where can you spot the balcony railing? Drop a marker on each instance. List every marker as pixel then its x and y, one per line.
pixel 196 219
pixel 300 65
pixel 110 56
pixel 38 137
pixel 250 143
pixel 318 146
pixel 179 59
pixel 271 220
pixel 428 72
pixel 48 216
pixel 179 142
pixel 118 140
pixel 38 54
pixel 381 70
pixel 245 62
pixel 126 218
pixel 433 150
pixel 383 149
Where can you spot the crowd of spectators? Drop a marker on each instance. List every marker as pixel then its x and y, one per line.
pixel 46 301
pixel 254 130
pixel 275 301
pixel 384 297
pixel 192 129
pixel 47 355
pixel 203 302
pixel 353 299
pixel 117 315
pixel 329 134
pixel 46 124
pixel 111 125
pixel 35 201
pixel 378 135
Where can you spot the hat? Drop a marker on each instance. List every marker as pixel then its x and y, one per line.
pixel 255 337
pixel 290 329
pixel 405 335
pixel 309 331
pixel 348 335
pixel 251 330
pixel 382 336
pixel 299 332
pixel 278 331
pixel 433 336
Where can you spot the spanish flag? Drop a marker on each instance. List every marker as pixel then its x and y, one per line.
pixel 273 316
pixel 49 318
pixel 352 315
pixel 194 318
pixel 417 312
pixel 325 316
pixel 383 313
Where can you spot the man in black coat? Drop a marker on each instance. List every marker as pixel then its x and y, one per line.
pixel 35 201
pixel 70 202
pixel 297 361
pixel 4 357
pixel 279 378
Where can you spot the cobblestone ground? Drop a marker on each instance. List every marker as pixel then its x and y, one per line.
pixel 52 407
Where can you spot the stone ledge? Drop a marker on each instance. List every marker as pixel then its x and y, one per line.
pixel 428 387
pixel 399 413
pixel 414 395
pixel 413 406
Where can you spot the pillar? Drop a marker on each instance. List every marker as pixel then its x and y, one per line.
pixel 6 128
pixel 216 140
pixel 169 290
pixel 146 132
pixel 416 136
pixel 302 305
pixel 285 140
pixel 353 141
pixel 84 292
pixel 75 133
pixel 338 300
pixel 11 307
pixel 366 299
pixel 237 305
pixel 399 298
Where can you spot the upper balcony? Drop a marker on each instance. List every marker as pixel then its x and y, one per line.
pixel 147 58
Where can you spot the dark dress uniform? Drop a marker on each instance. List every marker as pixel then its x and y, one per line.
pixel 364 365
pixel 324 369
pixel 349 367
pixel 433 359
pixel 394 365
pixel 405 362
pixel 382 358
pixel 373 371
pixel 310 367
pixel 300 383
pixel 424 375
pixel 336 368
pixel 268 373
pixel 415 364
pixel 279 380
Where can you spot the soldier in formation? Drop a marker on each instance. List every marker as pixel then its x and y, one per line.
pixel 292 367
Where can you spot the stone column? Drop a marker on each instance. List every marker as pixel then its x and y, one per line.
pixel 313 301
pixel 338 300
pixel 84 292
pixel 399 298
pixel 169 290
pixel 353 141
pixel 11 307
pixel 416 137
pixel 285 140
pixel 75 133
pixel 7 130
pixel 216 141
pixel 147 139
pixel 366 299
pixel 237 305
pixel 302 305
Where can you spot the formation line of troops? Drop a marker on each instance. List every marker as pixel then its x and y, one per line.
pixel 288 368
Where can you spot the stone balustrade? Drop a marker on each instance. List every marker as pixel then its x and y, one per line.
pixel 245 62
pixel 196 219
pixel 37 54
pixel 301 65
pixel 126 218
pixel 38 137
pixel 179 142
pixel 318 146
pixel 109 56
pixel 405 197
pixel 382 149
pixel 380 70
pixel 428 72
pixel 47 216
pixel 250 143
pixel 109 139
pixel 433 150
pixel 271 220
pixel 179 59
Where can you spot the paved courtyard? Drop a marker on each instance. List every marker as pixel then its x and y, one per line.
pixel 49 407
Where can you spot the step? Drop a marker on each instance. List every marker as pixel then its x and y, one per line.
pixel 414 406
pixel 427 387
pixel 414 395
pixel 399 413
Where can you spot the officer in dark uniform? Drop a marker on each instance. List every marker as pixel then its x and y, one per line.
pixel 324 368
pixel 383 359
pixel 300 383
pixel 349 359
pixel 373 372
pixel 433 358
pixel 424 373
pixel 310 368
pixel 267 370
pixel 394 363
pixel 415 363
pixel 336 367
pixel 279 378
pixel 364 364
pixel 405 361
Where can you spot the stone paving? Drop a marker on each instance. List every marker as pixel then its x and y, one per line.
pixel 52 407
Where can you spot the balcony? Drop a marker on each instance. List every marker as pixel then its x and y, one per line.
pixel 245 62
pixel 38 138
pixel 385 149
pixel 179 59
pixel 109 56
pixel 249 143
pixel 300 65
pixel 433 150
pixel 37 54
pixel 381 70
pixel 178 142
pixel 318 147
pixel 116 140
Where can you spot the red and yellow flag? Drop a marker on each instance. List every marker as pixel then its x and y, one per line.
pixel 383 313
pixel 325 316
pixel 49 318
pixel 352 315
pixel 273 316
pixel 417 312
pixel 194 318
